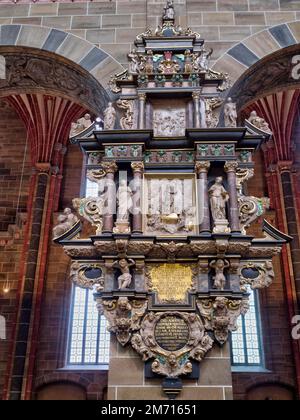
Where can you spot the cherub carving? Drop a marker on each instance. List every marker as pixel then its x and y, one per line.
pixel 219 279
pixel 124 281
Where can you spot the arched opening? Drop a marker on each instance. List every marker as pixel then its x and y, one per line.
pixel 64 390
pixel 271 392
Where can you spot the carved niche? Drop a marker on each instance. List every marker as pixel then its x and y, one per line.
pixel 170 205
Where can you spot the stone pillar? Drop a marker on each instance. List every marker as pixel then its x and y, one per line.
pixel 142 103
pixel 137 219
pixel 285 169
pixel 26 304
pixel 230 168
pixel 202 169
pixel 197 116
pixel 110 202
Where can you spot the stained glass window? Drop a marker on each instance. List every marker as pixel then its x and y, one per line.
pixel 246 342
pixel 89 339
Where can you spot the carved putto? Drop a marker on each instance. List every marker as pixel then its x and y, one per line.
pixel 219 279
pixel 124 281
pixel 65 222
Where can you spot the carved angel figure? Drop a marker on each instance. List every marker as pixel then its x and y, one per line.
pixel 219 279
pixel 65 222
pixel 124 281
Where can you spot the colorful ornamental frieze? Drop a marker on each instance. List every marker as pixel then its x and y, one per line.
pixel 167 251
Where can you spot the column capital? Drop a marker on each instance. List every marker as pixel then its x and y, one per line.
pixel 142 96
pixel 109 167
pixel 42 167
pixel 285 166
pixel 137 167
pixel 231 166
pixel 196 94
pixel 202 166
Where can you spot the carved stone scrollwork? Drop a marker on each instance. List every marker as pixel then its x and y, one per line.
pixel 221 315
pixel 257 274
pixel 65 222
pixel 91 209
pixel 251 208
pixel 80 275
pixel 124 316
pixel 171 338
pixel 126 122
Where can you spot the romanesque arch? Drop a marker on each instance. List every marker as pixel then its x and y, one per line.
pixel 94 60
pixel 246 54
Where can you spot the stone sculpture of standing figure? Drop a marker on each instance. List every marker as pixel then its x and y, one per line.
pixel 109 117
pixel 125 203
pixel 169 12
pixel 218 199
pixel 230 114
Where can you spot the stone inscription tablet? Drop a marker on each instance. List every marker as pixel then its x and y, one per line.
pixel 171 333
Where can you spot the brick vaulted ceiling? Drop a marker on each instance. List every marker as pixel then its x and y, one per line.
pixel 48 120
pixel 279 110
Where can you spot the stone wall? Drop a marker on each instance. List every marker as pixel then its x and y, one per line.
pixel 113 25
pixel 215 382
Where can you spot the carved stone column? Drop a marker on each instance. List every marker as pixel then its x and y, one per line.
pixel 202 169
pixel 230 168
pixel 197 117
pixel 285 169
pixel 26 304
pixel 142 103
pixel 110 202
pixel 137 220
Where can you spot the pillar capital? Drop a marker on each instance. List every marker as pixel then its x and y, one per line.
pixel 142 96
pixel 110 167
pixel 196 94
pixel 202 166
pixel 285 166
pixel 137 167
pixel 231 166
pixel 42 167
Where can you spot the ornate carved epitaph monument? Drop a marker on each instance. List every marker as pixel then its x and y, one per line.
pixel 171 257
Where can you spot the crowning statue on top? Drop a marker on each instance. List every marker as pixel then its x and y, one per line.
pixel 181 216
